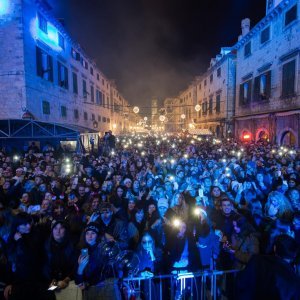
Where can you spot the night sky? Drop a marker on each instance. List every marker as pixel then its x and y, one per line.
pixel 154 48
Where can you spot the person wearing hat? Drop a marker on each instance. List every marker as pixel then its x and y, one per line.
pixel 158 228
pixel 91 263
pixel 59 267
pixel 115 230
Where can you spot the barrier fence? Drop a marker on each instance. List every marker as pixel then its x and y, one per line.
pixel 204 285
pixel 207 285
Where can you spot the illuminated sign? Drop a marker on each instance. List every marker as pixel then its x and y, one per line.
pixel 4 7
pixel 246 136
pixel 50 37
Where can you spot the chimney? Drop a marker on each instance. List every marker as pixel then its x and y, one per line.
pixel 245 26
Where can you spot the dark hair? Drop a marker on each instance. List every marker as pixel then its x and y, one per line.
pixel 286 247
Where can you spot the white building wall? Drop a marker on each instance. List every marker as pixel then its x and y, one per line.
pixel 22 35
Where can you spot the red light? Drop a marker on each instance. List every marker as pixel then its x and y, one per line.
pixel 246 136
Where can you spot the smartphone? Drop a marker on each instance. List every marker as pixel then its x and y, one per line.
pixel 200 193
pixel 84 252
pixel 52 287
pixel 75 180
pixel 284 182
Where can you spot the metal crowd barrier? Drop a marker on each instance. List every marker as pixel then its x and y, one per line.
pixel 180 286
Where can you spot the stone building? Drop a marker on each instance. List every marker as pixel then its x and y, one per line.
pixel 216 95
pixel 267 76
pixel 46 76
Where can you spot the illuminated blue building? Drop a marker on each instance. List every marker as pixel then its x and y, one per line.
pixel 267 77
pixel 46 77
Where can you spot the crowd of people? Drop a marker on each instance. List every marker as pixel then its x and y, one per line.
pixel 173 203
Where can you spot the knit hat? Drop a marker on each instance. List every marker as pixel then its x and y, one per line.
pixel 163 202
pixel 92 227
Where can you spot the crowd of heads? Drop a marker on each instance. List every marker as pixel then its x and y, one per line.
pixel 177 202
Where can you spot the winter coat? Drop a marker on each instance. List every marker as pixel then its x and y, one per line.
pixel 60 260
pixel 93 273
pixel 245 245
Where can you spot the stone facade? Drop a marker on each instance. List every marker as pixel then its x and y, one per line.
pixel 216 94
pixel 45 72
pixel 267 77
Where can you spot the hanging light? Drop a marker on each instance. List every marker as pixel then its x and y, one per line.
pixel 162 118
pixel 136 109
pixel 182 116
pixel 197 107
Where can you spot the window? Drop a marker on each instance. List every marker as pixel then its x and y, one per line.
pixel 75 54
pixel 247 49
pixel 75 83
pixel 63 111
pixel 84 63
pixel 99 118
pixel 98 97
pixel 211 78
pixel 265 35
pixel 104 119
pixel 84 90
pixel 245 92
pixel 44 65
pixel 262 87
pixel 288 79
pixel 46 108
pixel 218 103
pixel 85 116
pixel 42 23
pixel 219 72
pixel 204 108
pixel 205 82
pixel 62 76
pixel 200 87
pixel 108 120
pixel 210 107
pixel 98 76
pixel 290 15
pixel 93 117
pixel 91 71
pixel 103 81
pixel 76 114
pixel 61 41
pixel 92 94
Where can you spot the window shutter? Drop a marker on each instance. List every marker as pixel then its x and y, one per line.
pixel 256 94
pixel 249 94
pixel 241 94
pixel 268 84
pixel 66 85
pixel 39 64
pixel 288 79
pixel 50 68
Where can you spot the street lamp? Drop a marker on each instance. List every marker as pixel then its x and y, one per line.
pixel 145 119
pixel 182 116
pixel 162 118
pixel 136 109
pixel 114 126
pixel 197 108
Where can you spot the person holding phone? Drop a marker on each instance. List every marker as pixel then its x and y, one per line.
pixel 91 263
pixel 61 256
